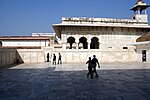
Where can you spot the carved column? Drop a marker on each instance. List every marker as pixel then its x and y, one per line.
pixel 89 41
pixel 77 43
pixel 139 12
pixel 89 45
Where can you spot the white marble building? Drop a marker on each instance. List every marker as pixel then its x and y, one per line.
pixel 108 38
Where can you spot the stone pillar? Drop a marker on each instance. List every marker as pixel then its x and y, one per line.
pixel 139 12
pixel 89 45
pixel 77 43
pixel 145 12
pixel 89 41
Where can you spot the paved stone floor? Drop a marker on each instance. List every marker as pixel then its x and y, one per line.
pixel 116 81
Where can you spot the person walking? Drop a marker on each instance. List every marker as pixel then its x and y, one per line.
pixel 54 59
pixel 89 62
pixel 47 57
pixel 59 59
pixel 94 63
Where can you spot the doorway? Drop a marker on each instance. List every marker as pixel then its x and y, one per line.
pixel 94 43
pixel 143 55
pixel 71 40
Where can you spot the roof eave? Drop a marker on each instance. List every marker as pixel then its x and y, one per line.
pixel 102 25
pixel 140 43
pixel 136 7
pixel 57 30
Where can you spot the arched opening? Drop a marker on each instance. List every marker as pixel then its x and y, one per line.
pixel 94 43
pixel 71 40
pixel 0 43
pixel 83 40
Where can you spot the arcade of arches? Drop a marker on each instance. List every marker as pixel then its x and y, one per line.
pixel 83 43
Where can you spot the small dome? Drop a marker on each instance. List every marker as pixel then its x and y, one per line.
pixel 143 38
pixel 140 2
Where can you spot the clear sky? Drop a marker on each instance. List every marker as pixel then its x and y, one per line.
pixel 23 17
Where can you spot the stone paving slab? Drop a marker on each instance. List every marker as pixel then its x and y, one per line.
pixel 116 81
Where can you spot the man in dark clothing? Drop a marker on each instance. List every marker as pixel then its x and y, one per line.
pixel 59 59
pixel 47 57
pixel 89 62
pixel 94 62
pixel 54 59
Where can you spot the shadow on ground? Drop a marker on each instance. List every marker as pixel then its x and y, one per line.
pixel 47 84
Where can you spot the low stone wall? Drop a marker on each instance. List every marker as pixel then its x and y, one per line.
pixel 7 57
pixel 30 55
pixel 103 56
pixel 33 55
pixel 12 56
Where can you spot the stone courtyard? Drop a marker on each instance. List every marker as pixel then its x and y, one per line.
pixel 44 81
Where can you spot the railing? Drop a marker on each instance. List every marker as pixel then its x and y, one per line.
pixel 20 47
pixel 83 20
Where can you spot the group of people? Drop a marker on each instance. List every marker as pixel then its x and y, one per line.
pixel 59 59
pixel 92 63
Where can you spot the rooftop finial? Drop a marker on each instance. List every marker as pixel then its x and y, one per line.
pixel 139 1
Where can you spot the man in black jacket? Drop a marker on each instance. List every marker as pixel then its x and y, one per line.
pixel 54 59
pixel 94 63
